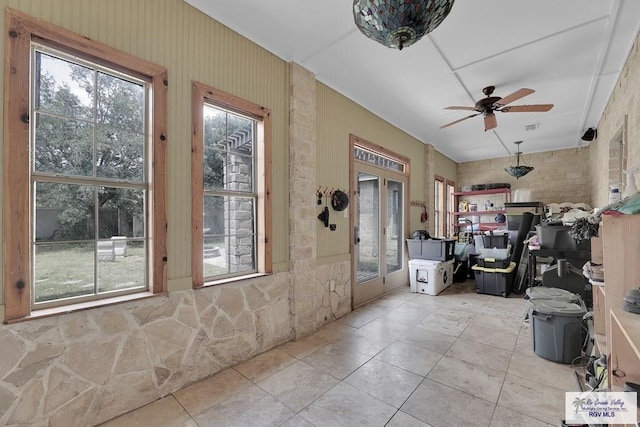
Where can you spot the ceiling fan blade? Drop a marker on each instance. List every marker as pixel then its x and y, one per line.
pixel 490 122
pixel 520 93
pixel 456 107
pixel 527 108
pixel 458 121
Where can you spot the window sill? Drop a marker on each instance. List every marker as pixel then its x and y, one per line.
pixel 72 308
pixel 230 280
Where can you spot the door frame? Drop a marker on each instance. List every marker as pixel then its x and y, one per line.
pixel 377 149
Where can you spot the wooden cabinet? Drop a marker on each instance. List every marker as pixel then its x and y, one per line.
pixel 486 217
pixel 617 331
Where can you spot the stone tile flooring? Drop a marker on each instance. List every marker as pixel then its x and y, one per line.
pixel 457 359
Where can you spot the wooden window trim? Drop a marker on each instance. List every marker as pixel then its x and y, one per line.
pixel 21 29
pixel 202 94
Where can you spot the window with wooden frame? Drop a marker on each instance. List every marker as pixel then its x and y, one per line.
pixel 84 219
pixel 451 200
pixel 439 206
pixel 231 176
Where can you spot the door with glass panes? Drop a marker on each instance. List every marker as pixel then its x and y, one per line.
pixel 379 227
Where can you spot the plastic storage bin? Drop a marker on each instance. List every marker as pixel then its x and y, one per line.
pixel 431 249
pixel 493 262
pixel 558 237
pixel 557 294
pixel 498 241
pixel 556 330
pixel 430 277
pixel 514 211
pixel 494 281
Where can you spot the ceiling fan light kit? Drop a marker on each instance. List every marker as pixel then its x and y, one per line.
pixel 489 105
pixel 399 23
pixel 519 170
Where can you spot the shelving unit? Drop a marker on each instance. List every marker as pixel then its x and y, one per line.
pixel 617 331
pixel 488 225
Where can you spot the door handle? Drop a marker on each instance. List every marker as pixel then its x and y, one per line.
pixel 356 239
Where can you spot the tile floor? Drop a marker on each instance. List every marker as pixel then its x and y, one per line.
pixel 457 359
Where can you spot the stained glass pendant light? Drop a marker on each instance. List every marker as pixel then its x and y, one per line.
pixel 518 171
pixel 399 23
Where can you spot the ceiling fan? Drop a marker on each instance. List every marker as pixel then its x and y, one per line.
pixel 489 105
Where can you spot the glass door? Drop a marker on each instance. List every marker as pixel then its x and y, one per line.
pixel 378 232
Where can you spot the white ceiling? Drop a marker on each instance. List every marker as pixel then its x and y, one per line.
pixel 569 51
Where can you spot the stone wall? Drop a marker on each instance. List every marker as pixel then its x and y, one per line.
pixel 619 121
pixel 86 367
pixel 558 176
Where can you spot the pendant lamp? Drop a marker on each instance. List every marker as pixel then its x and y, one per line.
pixel 399 23
pixel 518 171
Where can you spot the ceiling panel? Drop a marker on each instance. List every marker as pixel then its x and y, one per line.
pixel 570 51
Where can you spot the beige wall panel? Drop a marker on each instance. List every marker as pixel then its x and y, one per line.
pixel 624 101
pixel 445 167
pixel 192 47
pixel 558 176
pixel 337 118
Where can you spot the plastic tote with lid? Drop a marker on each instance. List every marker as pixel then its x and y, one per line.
pixel 556 329
pixel 556 294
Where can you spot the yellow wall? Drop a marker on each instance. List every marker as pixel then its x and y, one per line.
pixel 445 167
pixel 194 47
pixel 191 46
pixel 338 117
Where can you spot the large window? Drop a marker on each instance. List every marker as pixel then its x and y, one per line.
pixel 84 210
pixel 230 176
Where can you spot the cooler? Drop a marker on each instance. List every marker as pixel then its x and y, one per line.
pixel 430 277
pixel 556 330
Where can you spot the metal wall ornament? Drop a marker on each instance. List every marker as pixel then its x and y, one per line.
pixel 519 170
pixel 399 23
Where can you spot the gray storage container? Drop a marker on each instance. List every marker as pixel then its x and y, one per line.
pixel 557 294
pixel 556 329
pixel 431 249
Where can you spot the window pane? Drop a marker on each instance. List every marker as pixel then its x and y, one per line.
pixel 121 212
pixel 63 88
pixel 228 151
pixel 120 103
pixel 377 159
pixel 213 168
pixel 63 271
pixel 229 235
pixel 121 265
pixel 119 154
pixel 64 212
pixel 394 234
pixel 63 146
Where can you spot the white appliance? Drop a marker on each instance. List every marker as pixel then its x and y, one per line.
pixel 430 277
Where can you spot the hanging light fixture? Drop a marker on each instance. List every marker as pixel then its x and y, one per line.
pixel 518 171
pixel 399 23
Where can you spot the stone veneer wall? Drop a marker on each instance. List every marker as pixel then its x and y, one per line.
pixel 86 367
pixel 319 294
pixel 621 116
pixel 558 176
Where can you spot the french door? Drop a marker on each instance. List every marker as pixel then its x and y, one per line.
pixel 379 231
